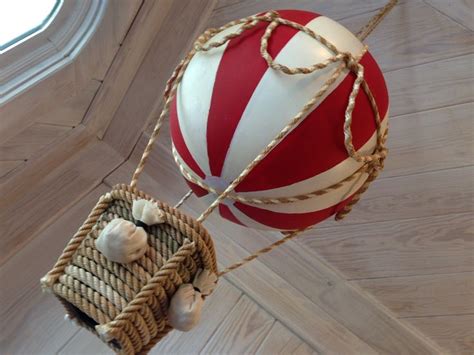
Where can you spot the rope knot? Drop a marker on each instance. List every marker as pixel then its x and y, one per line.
pixel 351 62
pixel 271 15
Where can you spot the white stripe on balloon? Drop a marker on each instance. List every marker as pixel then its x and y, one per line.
pixel 279 97
pixel 193 105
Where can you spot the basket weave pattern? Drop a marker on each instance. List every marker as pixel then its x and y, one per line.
pixel 126 304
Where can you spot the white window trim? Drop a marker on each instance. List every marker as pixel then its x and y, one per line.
pixel 51 48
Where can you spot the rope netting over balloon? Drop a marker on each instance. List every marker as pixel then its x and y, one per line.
pixel 372 163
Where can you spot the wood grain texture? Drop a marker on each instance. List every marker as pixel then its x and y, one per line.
pixel 454 333
pixel 32 321
pixel 216 308
pixel 72 109
pixel 23 110
pixel 84 342
pixel 228 10
pixel 327 288
pixel 430 140
pixel 414 33
pixel 141 103
pixel 7 166
pixel 48 186
pixel 242 331
pixel 425 295
pixel 421 246
pixel 461 11
pixel 282 341
pixel 429 86
pixel 414 196
pixel 96 57
pixel 30 140
pixel 125 65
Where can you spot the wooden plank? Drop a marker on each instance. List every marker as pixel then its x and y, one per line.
pixel 242 331
pixel 142 99
pixel 430 245
pixel 148 22
pixel 7 166
pixel 23 110
pixel 84 342
pixel 350 306
pixel 49 185
pixel 229 10
pixel 430 140
pixel 259 280
pixel 459 11
pixel 420 195
pixel 30 140
pixel 71 110
pixel 414 33
pixel 96 57
pixel 427 295
pixel 32 321
pixel 280 340
pixel 453 333
pixel 428 86
pixel 215 310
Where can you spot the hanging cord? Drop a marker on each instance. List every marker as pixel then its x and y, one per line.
pixel 183 199
pixel 372 163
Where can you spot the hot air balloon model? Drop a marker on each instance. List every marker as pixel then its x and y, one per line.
pixel 278 120
pixel 234 99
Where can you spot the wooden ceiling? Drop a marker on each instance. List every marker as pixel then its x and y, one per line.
pixel 396 276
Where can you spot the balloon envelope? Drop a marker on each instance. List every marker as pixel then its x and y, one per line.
pixel 230 105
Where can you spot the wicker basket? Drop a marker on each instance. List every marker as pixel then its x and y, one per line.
pixel 126 304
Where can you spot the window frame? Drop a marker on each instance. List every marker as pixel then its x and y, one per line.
pixel 49 49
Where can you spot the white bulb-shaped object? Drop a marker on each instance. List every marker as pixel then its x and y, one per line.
pixel 147 212
pixel 122 241
pixel 185 307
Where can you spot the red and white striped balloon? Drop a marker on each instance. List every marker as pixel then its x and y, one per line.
pixel 230 105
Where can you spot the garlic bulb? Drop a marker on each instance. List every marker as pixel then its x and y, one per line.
pixel 185 308
pixel 122 241
pixel 184 312
pixel 205 281
pixel 147 212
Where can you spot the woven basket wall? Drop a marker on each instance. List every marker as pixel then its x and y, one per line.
pixel 126 304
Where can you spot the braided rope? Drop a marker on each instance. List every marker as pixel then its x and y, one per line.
pixel 51 277
pixel 156 284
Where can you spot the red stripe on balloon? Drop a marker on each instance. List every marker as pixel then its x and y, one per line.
pixel 289 221
pixel 179 143
pixel 198 190
pixel 317 144
pixel 236 81
pixel 227 214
